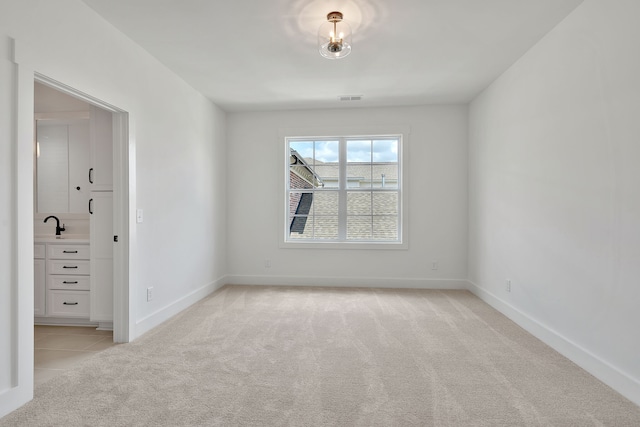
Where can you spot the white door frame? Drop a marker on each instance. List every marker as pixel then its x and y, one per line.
pixel 19 354
pixel 121 325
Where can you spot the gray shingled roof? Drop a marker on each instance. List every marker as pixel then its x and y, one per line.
pixel 370 214
pixel 366 171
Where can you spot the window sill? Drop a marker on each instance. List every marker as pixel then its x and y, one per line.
pixel 345 245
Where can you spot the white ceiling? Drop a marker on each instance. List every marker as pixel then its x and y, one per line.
pixel 258 55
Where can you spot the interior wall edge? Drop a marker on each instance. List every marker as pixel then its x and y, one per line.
pixel 149 322
pixel 19 267
pixel 619 381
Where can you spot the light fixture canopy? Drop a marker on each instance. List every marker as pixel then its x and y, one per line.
pixel 334 37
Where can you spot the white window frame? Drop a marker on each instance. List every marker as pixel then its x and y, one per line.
pixel 292 135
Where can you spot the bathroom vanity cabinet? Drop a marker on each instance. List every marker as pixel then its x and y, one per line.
pixel 62 280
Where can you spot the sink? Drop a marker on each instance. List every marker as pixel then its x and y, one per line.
pixel 71 238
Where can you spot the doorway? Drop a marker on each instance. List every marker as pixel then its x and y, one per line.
pixel 117 205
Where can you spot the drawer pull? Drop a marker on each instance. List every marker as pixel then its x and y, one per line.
pixel 70 303
pixel 74 266
pixel 70 283
pixel 69 252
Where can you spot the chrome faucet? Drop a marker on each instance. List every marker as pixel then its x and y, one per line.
pixel 58 228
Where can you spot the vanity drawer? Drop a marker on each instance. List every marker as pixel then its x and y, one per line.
pixel 68 303
pixel 39 251
pixel 66 267
pixel 68 251
pixel 76 283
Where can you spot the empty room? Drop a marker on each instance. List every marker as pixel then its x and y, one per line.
pixel 319 212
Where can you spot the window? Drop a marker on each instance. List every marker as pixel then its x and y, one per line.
pixel 346 189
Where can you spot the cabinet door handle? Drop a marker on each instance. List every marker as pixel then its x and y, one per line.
pixel 91 175
pixel 70 303
pixel 91 206
pixel 69 252
pixel 70 283
pixel 67 266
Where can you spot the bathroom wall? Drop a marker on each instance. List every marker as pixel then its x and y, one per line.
pixel 49 100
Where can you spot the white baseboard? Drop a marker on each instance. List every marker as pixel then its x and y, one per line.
pixel 349 282
pixel 154 319
pixel 601 369
pixel 63 321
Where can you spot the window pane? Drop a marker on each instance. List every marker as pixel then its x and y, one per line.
pixel 301 227
pixel 359 175
pixel 327 173
pixel 359 228
pixel 326 227
pixel 327 152
pixel 299 204
pixel 358 151
pixel 385 227
pixel 385 203
pixel 303 148
pixel 325 203
pixel 385 150
pixel 301 174
pixel 359 203
pixel 385 175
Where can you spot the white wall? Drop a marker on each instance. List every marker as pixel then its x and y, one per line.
pixel 554 199
pixel 178 164
pixel 437 197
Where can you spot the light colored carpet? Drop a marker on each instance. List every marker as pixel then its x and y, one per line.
pixel 316 356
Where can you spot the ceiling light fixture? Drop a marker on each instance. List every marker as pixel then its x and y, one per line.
pixel 334 37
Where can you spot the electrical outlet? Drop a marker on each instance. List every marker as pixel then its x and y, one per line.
pixel 508 285
pixel 149 294
pixel 434 265
pixel 267 263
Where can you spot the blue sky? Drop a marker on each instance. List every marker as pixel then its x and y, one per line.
pixel 384 150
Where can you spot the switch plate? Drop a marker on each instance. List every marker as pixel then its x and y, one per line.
pixel 139 216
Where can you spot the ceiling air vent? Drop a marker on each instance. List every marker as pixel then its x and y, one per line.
pixel 350 98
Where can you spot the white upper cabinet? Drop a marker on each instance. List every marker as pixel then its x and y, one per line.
pixel 62 152
pixel 101 170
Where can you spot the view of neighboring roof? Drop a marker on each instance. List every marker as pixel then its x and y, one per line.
pixel 370 214
pixel 365 171
pixel 300 166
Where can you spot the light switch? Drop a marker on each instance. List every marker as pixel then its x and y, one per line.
pixel 139 217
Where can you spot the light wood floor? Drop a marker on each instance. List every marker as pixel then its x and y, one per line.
pixel 60 348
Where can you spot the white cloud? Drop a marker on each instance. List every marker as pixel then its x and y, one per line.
pixel 380 150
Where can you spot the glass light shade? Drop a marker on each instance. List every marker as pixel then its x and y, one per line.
pixel 334 38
